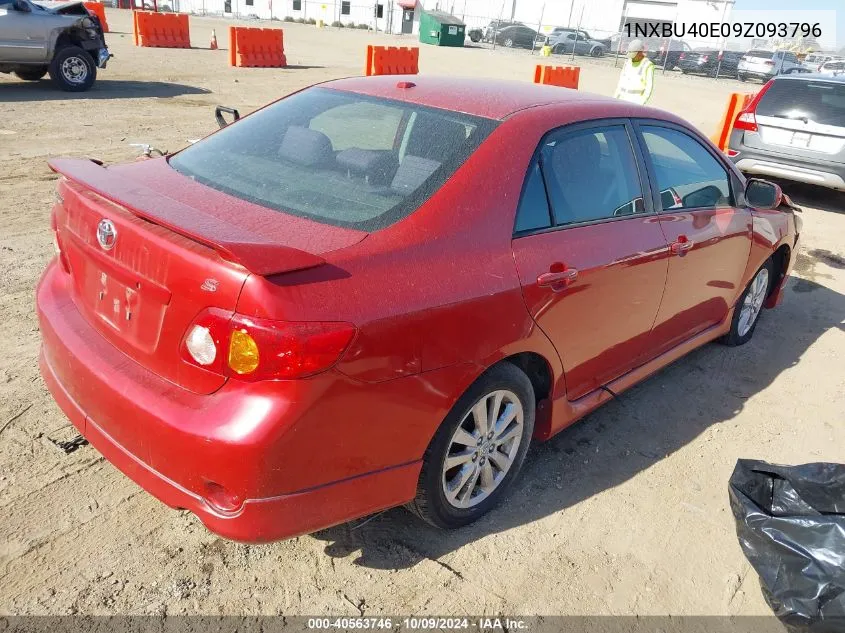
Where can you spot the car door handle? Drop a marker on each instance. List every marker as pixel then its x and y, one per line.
pixel 681 245
pixel 558 280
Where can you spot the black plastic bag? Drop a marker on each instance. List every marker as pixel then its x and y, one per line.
pixel 790 521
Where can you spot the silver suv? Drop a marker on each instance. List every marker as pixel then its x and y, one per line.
pixel 763 65
pixel 794 129
pixel 64 40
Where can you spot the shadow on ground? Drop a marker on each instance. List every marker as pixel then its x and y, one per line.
pixel 103 89
pixel 623 438
pixel 812 196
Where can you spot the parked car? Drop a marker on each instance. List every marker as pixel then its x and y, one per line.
pixel 567 41
pixel 666 51
pixel 581 34
pixel 65 40
pixel 518 36
pixel 795 129
pixel 708 62
pixel 267 328
pixel 496 26
pixel 816 60
pixel 763 65
pixel 833 67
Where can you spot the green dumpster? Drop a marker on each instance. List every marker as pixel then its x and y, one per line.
pixel 441 29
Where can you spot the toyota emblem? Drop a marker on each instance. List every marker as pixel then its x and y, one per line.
pixel 106 234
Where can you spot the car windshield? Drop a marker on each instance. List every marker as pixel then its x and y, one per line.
pixel 336 157
pixel 818 101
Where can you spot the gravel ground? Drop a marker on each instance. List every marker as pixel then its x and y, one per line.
pixel 625 513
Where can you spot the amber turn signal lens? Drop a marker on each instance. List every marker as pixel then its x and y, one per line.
pixel 243 352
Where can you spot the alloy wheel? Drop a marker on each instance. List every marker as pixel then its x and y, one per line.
pixel 75 70
pixel 753 302
pixel 483 448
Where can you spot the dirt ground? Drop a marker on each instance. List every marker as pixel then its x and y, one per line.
pixel 625 513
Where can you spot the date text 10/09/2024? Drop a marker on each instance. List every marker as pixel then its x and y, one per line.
pixel 418 624
pixel 723 29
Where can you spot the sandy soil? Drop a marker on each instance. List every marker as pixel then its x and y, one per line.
pixel 624 513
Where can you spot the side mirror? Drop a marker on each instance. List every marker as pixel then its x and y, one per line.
pixel 762 194
pixel 218 114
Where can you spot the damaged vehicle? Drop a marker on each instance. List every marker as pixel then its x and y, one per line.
pixel 59 38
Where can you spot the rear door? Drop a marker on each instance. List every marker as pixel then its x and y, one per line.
pixel 709 238
pixel 591 258
pixel 802 119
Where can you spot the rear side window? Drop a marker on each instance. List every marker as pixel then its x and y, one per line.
pixel 821 102
pixel 591 175
pixel 689 177
pixel 336 157
pixel 533 211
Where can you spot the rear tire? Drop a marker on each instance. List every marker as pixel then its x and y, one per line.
pixel 31 74
pixel 509 43
pixel 750 306
pixel 73 69
pixel 482 462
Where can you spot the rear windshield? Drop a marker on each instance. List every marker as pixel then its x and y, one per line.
pixel 834 66
pixel 817 101
pixel 760 54
pixel 336 157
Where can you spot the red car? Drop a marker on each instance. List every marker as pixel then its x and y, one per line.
pixel 378 290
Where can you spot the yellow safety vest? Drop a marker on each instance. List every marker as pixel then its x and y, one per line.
pixel 636 82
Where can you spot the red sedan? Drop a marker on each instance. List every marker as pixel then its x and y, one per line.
pixel 378 291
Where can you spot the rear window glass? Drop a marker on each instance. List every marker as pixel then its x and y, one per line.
pixel 336 157
pixel 760 54
pixel 817 101
pixel 834 66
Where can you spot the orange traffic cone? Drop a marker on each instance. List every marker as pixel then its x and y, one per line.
pixel 213 44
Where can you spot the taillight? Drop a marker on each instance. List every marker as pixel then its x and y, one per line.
pixel 769 62
pixel 705 58
pixel 254 349
pixel 682 56
pixel 747 120
pixel 57 243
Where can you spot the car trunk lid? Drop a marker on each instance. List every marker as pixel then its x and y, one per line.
pixel 145 264
pixel 804 118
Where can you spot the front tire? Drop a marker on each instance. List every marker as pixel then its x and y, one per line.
pixel 750 305
pixel 73 69
pixel 509 43
pixel 31 74
pixel 478 449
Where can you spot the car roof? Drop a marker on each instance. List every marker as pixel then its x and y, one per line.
pixel 812 77
pixel 489 98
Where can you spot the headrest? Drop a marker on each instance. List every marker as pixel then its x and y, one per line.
pixel 304 146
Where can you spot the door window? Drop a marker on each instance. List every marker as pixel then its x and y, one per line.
pixel 591 175
pixel 688 176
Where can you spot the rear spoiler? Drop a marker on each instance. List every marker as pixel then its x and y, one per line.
pixel 232 242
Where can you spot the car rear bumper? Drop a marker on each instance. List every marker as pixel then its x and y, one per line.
pixel 245 440
pixel 778 165
pixel 756 74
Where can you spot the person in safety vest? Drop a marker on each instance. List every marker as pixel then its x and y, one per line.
pixel 636 83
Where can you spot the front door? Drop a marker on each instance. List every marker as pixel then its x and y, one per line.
pixel 591 257
pixel 407 21
pixel 22 34
pixel 708 236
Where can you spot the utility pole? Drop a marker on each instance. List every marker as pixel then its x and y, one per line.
pixel 513 10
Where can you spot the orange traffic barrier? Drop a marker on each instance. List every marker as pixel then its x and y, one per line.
pixel 161 30
pixel 392 60
pixel 563 76
pixel 99 10
pixel 736 103
pixel 256 48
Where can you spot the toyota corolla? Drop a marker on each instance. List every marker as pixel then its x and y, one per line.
pixel 379 291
